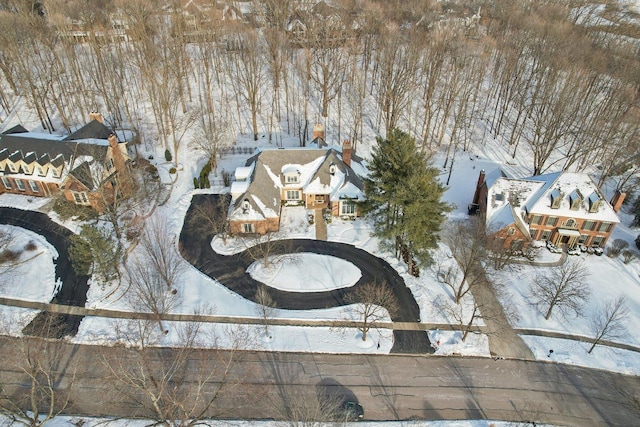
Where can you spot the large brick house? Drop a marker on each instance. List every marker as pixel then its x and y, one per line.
pixel 313 178
pixel 87 166
pixel 564 208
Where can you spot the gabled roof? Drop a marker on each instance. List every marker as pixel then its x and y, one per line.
pixel 533 195
pixel 263 192
pixel 15 129
pixel 92 130
pixel 83 174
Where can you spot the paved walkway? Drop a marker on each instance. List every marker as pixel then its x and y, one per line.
pixel 321 226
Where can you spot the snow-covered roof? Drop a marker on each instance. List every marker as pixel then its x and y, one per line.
pixel 509 197
pixel 320 171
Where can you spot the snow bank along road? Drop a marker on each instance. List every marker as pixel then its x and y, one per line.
pixel 231 271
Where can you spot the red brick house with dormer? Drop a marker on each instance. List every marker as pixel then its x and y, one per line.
pixel 564 208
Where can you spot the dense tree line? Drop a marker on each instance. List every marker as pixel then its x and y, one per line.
pixel 545 79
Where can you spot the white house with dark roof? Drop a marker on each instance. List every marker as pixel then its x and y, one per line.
pixel 313 178
pixel 565 208
pixel 79 165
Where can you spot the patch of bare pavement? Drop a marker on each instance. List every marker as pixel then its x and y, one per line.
pixel 262 385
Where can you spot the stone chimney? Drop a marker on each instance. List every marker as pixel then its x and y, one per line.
pixel 347 151
pixel 617 200
pixel 94 115
pixel 476 195
pixel 318 132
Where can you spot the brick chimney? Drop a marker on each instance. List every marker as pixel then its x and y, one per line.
pixel 116 154
pixel 476 195
pixel 94 115
pixel 318 131
pixel 617 200
pixel 347 151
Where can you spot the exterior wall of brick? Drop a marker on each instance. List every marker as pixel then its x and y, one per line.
pixel 44 189
pixel 259 227
pixel 557 229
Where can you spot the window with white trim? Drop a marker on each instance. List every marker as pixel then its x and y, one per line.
pixel 589 225
pixel 292 178
pixel 293 194
pixel 6 182
pixel 247 228
pixel 40 171
pixel 20 184
pixel 80 197
pixel 347 208
pixel 34 186
pixel 597 241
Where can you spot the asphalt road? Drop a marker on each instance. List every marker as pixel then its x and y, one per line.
pixel 74 287
pixel 389 387
pixel 231 272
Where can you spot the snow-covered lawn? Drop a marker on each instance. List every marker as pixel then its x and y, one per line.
pixel 305 272
pixel 32 279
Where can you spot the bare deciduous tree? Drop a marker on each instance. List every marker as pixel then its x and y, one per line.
pixel 466 240
pixel 266 307
pixel 41 389
pixel 609 321
pixel 148 290
pixel 180 385
pixel 372 301
pixel 158 245
pixel 563 287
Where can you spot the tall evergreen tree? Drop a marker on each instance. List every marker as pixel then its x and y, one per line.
pixel 404 198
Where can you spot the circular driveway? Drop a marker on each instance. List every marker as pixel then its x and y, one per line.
pixel 231 271
pixel 74 288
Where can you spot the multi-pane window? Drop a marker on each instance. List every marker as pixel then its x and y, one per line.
pixel 81 198
pixel 292 179
pixel 293 195
pixel 545 235
pixel 583 239
pixel 589 225
pixel 347 208
pixel 6 182
pixel 247 228
pixel 34 186
pixel 552 221
pixel 536 219
pixel 605 227
pixel 533 233
pixel 40 171
pixel 597 241
pixel 20 184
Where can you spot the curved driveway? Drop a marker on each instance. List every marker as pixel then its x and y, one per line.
pixel 231 271
pixel 74 288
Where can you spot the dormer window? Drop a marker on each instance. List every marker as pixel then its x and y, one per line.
pixel 556 199
pixel 245 206
pixel 575 199
pixel 594 203
pixel 332 169
pixel 292 178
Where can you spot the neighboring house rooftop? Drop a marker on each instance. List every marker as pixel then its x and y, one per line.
pixel 574 193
